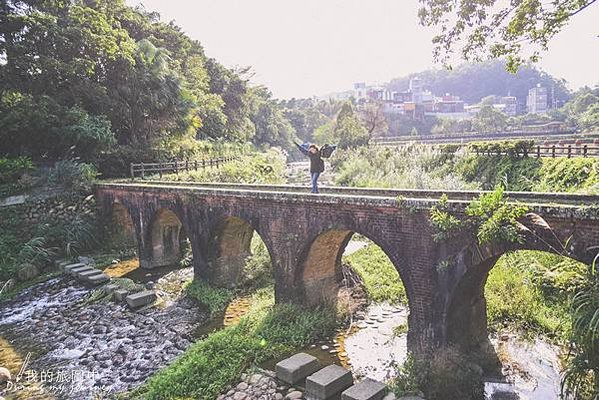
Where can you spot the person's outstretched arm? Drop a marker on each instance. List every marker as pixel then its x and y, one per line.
pixel 304 151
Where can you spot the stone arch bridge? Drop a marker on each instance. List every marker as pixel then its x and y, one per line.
pixel 306 234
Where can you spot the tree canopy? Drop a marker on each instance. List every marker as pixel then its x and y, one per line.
pixel 519 30
pixel 95 77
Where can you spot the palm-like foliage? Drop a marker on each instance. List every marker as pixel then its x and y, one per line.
pixel 581 377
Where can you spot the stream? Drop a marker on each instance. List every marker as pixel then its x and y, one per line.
pixel 104 347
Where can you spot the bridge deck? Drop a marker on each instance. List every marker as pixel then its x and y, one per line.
pixel 575 205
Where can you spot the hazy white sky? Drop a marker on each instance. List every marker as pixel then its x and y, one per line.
pixel 300 48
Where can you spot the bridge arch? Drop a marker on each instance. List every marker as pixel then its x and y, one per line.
pixel 467 322
pixel 319 272
pixel 164 236
pixel 122 229
pixel 229 244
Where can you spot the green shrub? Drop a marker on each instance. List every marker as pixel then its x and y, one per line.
pixel 446 375
pixel 11 169
pixel 380 278
pixel 263 168
pixel 494 218
pixel 257 271
pixel 444 223
pixel 73 175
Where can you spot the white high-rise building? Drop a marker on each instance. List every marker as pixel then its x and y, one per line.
pixel 536 102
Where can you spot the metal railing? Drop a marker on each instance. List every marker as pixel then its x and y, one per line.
pixel 174 167
pixel 552 151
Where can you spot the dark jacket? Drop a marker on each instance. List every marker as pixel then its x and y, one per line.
pixel 316 161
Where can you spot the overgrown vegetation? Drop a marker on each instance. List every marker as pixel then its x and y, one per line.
pixel 529 292
pixel 379 276
pixel 426 167
pixel 490 216
pixel 447 375
pixel 209 365
pixel 262 167
pixel 581 377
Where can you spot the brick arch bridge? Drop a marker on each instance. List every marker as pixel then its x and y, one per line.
pixel 306 234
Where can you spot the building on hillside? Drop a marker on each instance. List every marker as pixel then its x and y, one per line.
pixel 510 105
pixel 448 104
pixel 536 102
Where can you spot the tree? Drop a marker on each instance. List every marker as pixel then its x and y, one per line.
pixel 489 120
pixel 490 29
pixel 346 131
pixel 374 119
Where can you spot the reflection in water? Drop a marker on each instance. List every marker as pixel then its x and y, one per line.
pixel 531 370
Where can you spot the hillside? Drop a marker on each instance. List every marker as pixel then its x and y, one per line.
pixel 472 82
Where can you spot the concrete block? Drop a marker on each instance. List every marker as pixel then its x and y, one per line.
pixel 140 299
pixel 69 268
pixel 296 368
pixel 88 272
pixel 120 295
pixel 328 382
pixel 368 389
pixel 61 264
pixel 97 278
pixel 110 289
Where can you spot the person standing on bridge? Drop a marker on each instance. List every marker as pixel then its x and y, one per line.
pixel 316 162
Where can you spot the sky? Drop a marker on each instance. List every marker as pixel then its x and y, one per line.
pixel 303 48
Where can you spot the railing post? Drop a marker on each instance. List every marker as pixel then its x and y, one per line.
pixel 187 165
pixel 160 169
pixel 143 172
pixel 176 167
pixel 584 151
pixel 569 151
pixel 195 165
pixel 131 170
pixel 538 151
pixel 553 151
pixel 203 163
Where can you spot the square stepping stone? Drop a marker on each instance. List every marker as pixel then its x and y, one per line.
pixel 140 299
pixel 328 382
pixel 97 278
pixel 89 272
pixel 368 389
pixel 296 368
pixel 120 295
pixel 80 267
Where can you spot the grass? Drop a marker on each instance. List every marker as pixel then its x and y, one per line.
pixel 209 365
pixel 215 299
pixel 380 278
pixel 529 291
